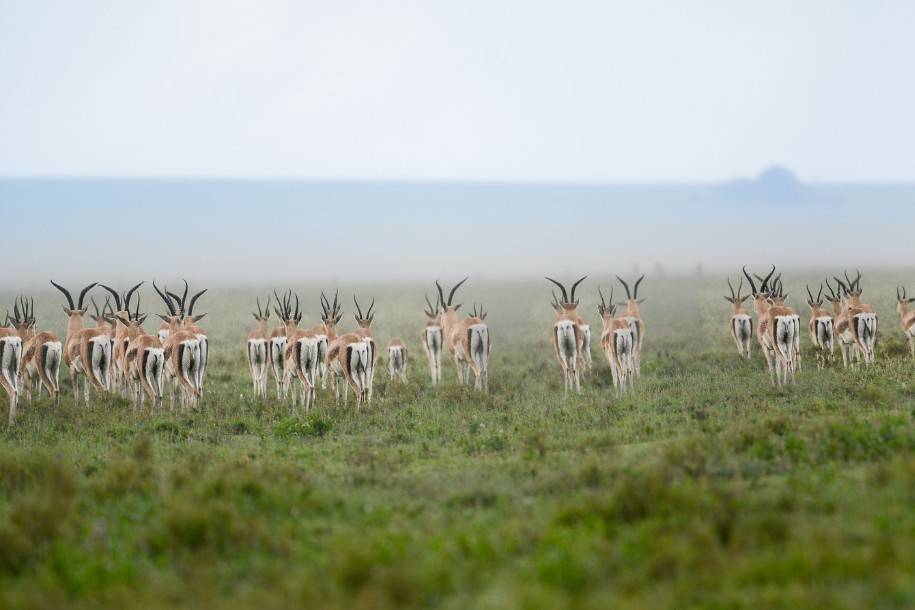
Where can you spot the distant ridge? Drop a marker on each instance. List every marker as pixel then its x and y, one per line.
pixel 775 184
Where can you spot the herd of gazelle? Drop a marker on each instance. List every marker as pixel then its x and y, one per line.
pixel 115 354
pixel 311 356
pixel 851 323
pixel 621 336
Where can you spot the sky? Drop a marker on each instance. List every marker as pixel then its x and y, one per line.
pixel 515 90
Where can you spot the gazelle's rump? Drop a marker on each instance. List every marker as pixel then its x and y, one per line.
pixel 10 361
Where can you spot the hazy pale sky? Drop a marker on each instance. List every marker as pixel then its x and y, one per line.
pixel 519 90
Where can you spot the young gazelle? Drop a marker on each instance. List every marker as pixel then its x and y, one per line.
pixel 633 315
pixel 740 326
pixel 182 354
pixel 301 359
pixel 617 343
pixel 257 350
pixel 467 340
pixel 41 356
pixel 861 317
pixel 397 360
pixel 87 350
pixel 567 336
pixel 432 340
pixel 906 317
pixel 821 328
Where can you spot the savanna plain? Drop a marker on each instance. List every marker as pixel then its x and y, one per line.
pixel 706 487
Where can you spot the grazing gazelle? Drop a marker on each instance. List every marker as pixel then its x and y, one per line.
pixel 906 317
pixel 616 341
pixel 633 316
pixel 467 340
pixel 87 350
pixel 182 354
pixel 821 328
pixel 432 340
pixel 397 360
pixel 567 336
pixel 41 356
pixel 741 324
pixel 257 350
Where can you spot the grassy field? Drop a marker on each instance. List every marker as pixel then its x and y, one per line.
pixel 704 488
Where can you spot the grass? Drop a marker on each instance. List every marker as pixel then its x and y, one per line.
pixel 705 488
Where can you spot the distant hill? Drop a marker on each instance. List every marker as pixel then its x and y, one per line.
pixel 775 184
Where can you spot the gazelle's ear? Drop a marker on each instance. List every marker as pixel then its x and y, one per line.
pixel 66 311
pixel 255 316
pixel 123 320
pixel 164 318
pixel 910 300
pixel 198 318
pixel 640 301
pixel 456 307
pixel 142 319
pixel 729 299
pixel 83 310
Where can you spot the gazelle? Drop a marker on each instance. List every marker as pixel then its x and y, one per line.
pixel 777 326
pixel 349 357
pixel 257 350
pixel 364 329
pixel 822 331
pixel 301 358
pixel 397 360
pixel 740 326
pixel 841 328
pixel 861 317
pixel 468 341
pixel 276 352
pixel 143 361
pixel 906 317
pixel 633 315
pixel 779 297
pixel 189 323
pixel 11 365
pixel 432 340
pixel 182 354
pixel 567 336
pixel 87 350
pixel 617 343
pixel 121 312
pixel 41 356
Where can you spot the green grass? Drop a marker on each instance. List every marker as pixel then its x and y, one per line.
pixel 705 488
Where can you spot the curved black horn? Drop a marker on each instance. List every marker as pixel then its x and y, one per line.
pixel 190 308
pixel 168 301
pixel 765 283
pixel 842 286
pixel 733 296
pixel 358 309
pixel 117 297
pixel 441 293
pixel 572 292
pixel 129 294
pixel 635 289
pixel 82 295
pixel 565 296
pixel 453 290
pixel 810 294
pixel 749 279
pixel 600 293
pixel 432 310
pixel 626 286
pixel 66 293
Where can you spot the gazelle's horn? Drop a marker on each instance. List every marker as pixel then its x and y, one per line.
pixel 565 296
